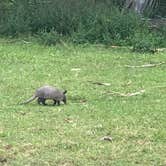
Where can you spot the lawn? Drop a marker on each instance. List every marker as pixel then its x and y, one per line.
pixel 70 135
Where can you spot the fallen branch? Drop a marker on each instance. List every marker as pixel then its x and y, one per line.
pixel 146 65
pixel 161 49
pixel 128 94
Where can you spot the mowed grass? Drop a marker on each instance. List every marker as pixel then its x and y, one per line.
pixel 69 135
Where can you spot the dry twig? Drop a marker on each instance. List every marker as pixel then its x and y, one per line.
pixel 128 94
pixel 146 65
pixel 100 83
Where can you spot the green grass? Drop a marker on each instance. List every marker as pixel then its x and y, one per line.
pixel 69 135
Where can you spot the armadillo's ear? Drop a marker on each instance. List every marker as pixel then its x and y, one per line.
pixel 65 91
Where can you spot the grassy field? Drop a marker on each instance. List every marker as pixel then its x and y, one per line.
pixel 70 135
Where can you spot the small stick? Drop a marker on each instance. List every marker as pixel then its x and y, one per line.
pixel 146 65
pixel 128 94
pixel 100 83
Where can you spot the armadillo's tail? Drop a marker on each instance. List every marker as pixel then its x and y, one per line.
pixel 29 100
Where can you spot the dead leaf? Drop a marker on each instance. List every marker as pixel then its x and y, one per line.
pixel 23 113
pixel 83 101
pixel 106 138
pixel 68 120
pixel 161 49
pixel 75 69
pixel 114 46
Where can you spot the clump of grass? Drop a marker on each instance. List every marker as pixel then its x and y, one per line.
pixel 146 42
pixel 48 37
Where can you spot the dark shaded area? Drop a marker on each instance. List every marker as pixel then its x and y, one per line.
pixel 84 21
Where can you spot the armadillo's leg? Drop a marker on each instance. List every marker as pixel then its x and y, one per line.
pixel 58 102
pixel 64 101
pixel 54 102
pixel 39 100
pixel 43 101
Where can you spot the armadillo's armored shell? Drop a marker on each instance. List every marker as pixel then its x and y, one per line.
pixel 49 92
